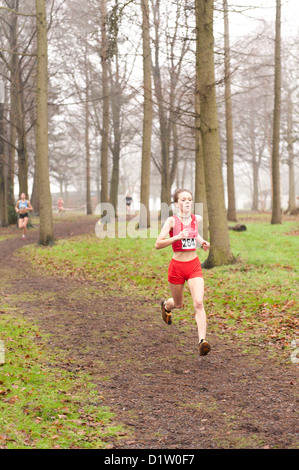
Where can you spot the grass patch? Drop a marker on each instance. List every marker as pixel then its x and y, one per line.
pixel 255 299
pixel 41 405
pixel 6 237
pixel 258 296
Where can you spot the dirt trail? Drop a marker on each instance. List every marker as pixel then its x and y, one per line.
pixel 149 373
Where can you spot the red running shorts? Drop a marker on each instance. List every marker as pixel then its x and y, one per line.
pixel 181 271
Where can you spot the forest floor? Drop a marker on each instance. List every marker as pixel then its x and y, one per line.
pixel 146 371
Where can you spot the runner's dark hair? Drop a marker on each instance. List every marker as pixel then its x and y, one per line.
pixel 176 194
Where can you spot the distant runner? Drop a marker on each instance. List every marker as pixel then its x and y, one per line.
pixel 185 265
pixel 60 206
pixel 128 203
pixel 22 208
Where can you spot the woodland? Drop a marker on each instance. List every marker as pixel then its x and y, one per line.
pixel 107 97
pixel 103 99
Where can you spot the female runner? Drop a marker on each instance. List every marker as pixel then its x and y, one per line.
pixel 22 208
pixel 185 265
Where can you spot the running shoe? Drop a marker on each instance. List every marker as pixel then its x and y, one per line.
pixel 166 314
pixel 204 347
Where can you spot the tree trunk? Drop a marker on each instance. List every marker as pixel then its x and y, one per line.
pixel 12 216
pixel 22 140
pixel 254 163
pixel 290 147
pixel 200 184
pixel 147 118
pixel 164 125
pixel 255 188
pixel 46 236
pixel 34 194
pixel 17 104
pixel 106 100
pixel 276 205
pixel 175 159
pixel 231 206
pixel 220 252
pixel 115 109
pixel 87 146
pixel 3 192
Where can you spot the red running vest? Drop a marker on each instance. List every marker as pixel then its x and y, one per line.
pixel 185 244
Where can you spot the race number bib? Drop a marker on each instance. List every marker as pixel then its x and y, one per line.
pixel 188 243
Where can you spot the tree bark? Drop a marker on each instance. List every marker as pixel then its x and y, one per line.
pixel 276 204
pixel 290 147
pixel 46 235
pixel 254 163
pixel 3 192
pixel 231 206
pixel 17 103
pixel 106 101
pixel 115 111
pixel 162 113
pixel 87 145
pixel 34 194
pixel 220 252
pixel 167 110
pixel 200 195
pixel 12 216
pixel 22 139
pixel 147 118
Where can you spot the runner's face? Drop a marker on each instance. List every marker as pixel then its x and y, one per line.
pixel 185 202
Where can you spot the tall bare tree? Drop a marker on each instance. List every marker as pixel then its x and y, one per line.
pixel 116 105
pixel 220 252
pixel 200 184
pixel 3 192
pixel 147 117
pixel 106 102
pixel 46 234
pixel 276 203
pixel 12 26
pixel 166 93
pixel 290 140
pixel 17 97
pixel 231 205
pixel 87 125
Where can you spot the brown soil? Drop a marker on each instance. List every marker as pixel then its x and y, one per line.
pixel 150 373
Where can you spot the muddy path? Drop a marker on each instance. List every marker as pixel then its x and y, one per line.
pixel 149 373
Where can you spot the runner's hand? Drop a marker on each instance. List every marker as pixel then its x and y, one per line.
pixel 183 234
pixel 205 245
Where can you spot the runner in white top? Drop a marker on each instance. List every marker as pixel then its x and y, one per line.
pixel 22 208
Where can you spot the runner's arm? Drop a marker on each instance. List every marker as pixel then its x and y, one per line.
pixel 205 245
pixel 163 242
pixel 17 206
pixel 30 206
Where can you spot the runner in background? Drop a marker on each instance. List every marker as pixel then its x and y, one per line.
pixel 22 208
pixel 60 206
pixel 182 230
pixel 128 203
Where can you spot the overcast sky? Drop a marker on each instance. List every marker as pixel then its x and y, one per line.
pixel 248 18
